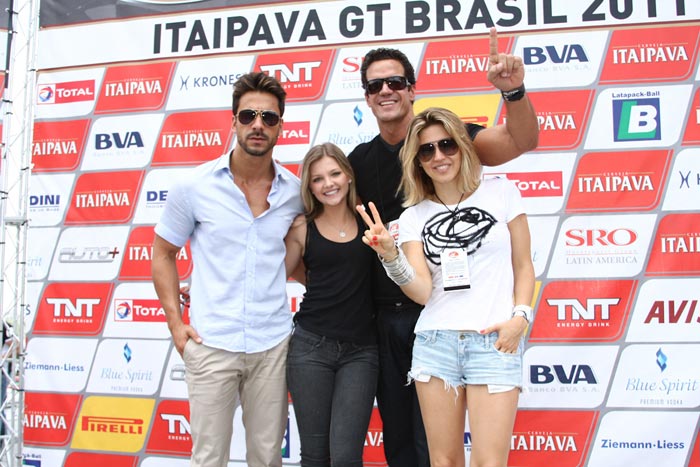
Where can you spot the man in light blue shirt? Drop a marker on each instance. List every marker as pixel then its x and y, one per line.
pixel 236 211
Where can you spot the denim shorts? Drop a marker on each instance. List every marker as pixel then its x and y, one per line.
pixel 460 358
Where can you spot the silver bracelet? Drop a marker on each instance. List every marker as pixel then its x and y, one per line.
pixel 399 269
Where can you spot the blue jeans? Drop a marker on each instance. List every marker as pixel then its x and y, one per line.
pixel 332 384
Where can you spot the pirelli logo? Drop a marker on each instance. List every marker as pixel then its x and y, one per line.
pixel 131 426
pixel 117 424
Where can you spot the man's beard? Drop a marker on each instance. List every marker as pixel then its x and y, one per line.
pixel 257 152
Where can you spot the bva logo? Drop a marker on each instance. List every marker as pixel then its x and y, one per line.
pixel 637 119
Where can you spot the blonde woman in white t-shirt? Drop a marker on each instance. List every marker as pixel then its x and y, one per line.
pixel 464 252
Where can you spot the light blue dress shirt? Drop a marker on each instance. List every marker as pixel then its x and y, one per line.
pixel 238 297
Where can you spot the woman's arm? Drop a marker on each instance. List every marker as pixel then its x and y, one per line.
pixel 295 242
pixel 511 330
pixel 523 270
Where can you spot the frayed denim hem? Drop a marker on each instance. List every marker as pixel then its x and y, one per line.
pixel 423 376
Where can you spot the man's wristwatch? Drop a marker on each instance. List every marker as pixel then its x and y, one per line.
pixel 522 310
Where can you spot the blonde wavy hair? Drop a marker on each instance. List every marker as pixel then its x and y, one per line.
pixel 416 185
pixel 313 207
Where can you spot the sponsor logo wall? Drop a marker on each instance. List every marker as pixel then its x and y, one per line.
pixel 612 193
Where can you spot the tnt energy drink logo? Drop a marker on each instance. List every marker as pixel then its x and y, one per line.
pixel 637 119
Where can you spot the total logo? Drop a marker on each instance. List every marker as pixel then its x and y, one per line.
pixel 138 310
pixel 66 92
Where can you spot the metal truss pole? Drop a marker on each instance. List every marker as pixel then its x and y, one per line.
pixel 15 167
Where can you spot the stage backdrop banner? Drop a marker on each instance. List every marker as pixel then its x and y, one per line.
pixel 132 94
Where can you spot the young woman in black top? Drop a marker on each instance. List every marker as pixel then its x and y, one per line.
pixel 332 364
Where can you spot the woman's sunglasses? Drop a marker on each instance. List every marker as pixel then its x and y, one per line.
pixel 269 118
pixel 395 83
pixel 447 146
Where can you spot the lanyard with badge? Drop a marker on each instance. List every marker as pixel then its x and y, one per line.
pixel 454 261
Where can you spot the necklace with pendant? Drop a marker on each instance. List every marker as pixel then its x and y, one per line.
pixel 341 231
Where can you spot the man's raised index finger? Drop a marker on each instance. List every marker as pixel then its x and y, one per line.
pixel 493 45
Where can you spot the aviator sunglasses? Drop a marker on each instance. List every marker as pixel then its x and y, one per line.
pixel 269 118
pixel 447 146
pixel 395 83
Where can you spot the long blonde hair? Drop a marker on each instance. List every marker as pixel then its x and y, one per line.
pixel 416 185
pixel 313 207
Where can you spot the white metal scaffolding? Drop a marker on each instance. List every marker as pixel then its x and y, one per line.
pixel 15 169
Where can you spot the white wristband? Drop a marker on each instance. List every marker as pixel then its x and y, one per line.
pixel 522 310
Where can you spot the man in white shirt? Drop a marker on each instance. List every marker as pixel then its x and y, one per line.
pixel 235 210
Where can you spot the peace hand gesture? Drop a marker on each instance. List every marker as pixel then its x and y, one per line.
pixel 376 236
pixel 506 71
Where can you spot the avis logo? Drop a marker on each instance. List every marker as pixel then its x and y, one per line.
pixel 637 119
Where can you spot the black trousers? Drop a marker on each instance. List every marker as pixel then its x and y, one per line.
pixel 405 444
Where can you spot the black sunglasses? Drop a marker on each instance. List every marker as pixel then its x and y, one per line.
pixel 447 146
pixel 395 83
pixel 269 118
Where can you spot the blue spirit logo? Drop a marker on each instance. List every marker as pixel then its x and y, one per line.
pixel 661 359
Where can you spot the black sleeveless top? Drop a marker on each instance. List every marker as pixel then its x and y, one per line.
pixel 338 299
